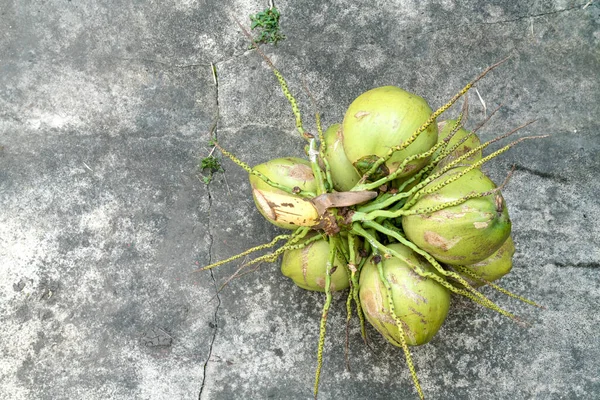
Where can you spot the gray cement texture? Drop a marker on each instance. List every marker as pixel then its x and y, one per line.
pixel 106 109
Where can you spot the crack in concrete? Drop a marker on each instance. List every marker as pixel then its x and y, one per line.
pixel 215 325
pixel 531 16
pixel 506 21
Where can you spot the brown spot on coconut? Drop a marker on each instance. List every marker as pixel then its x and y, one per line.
pixel 449 215
pixel 301 172
pixel 369 303
pixel 320 281
pixel 444 215
pixel 408 169
pixel 304 257
pixel 436 240
pixel 420 314
pixel 413 295
pixel 339 133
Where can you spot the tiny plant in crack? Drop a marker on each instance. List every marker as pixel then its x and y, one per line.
pixel 266 23
pixel 211 165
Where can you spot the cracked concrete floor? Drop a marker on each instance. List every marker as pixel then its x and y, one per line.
pixel 105 111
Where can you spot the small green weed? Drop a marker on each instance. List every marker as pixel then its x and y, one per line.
pixel 267 24
pixel 213 165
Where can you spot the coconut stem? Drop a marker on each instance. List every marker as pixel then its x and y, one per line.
pixel 282 82
pixel 458 124
pixel 415 190
pixel 438 146
pixel 245 253
pixel 290 245
pixel 246 167
pixel 322 143
pixel 443 154
pixel 348 318
pixel 473 195
pixel 472 294
pixel 296 111
pixel 355 295
pixel 292 101
pixel 374 215
pixel 322 150
pixel 465 271
pixel 354 271
pixel 323 325
pixel 392 310
pixel 424 172
pixel 418 191
pixel 445 151
pixel 313 155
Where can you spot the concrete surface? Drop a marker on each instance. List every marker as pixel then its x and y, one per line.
pixel 105 112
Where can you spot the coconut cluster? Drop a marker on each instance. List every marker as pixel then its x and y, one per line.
pixel 438 223
pixel 392 207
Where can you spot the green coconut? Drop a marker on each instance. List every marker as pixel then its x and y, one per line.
pixel 382 118
pixel 307 267
pixel 469 142
pixel 420 303
pixel 283 209
pixel 463 234
pixel 343 174
pixel 495 266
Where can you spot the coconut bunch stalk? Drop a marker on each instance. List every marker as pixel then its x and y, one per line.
pixel 390 206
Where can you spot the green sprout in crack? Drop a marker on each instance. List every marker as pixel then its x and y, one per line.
pixel 267 25
pixel 213 165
